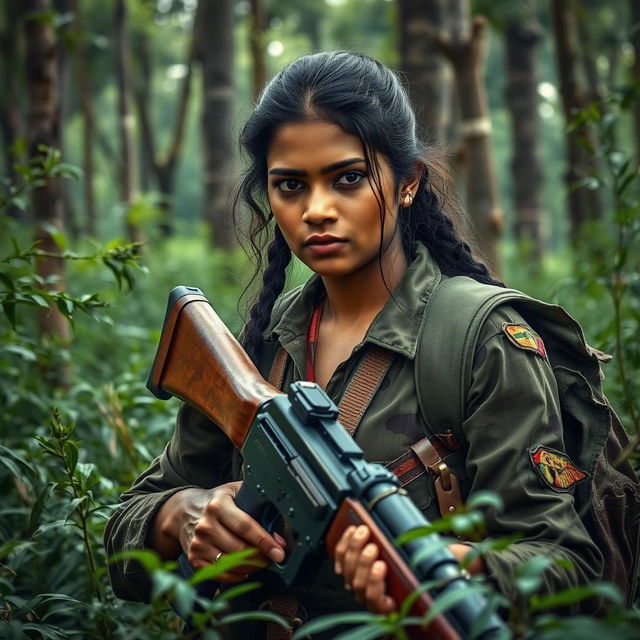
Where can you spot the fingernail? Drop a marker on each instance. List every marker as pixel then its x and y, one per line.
pixel 279 539
pixel 337 568
pixel 361 532
pixel 276 554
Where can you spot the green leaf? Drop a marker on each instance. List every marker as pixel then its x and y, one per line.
pixel 9 308
pixel 227 561
pixel 264 616
pixel 448 599
pixel 367 632
pixel 577 594
pixel 238 590
pixel 529 574
pixel 23 352
pixel 150 560
pixel 7 281
pixel 184 597
pixel 65 306
pixel 434 546
pixel 70 452
pixel 39 300
pixel 485 499
pixel 38 507
pixel 57 235
pixel 163 582
pixel 333 620
pixel 18 466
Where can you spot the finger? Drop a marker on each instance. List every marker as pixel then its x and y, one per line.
pixel 231 529
pixel 375 597
pixel 245 528
pixel 361 576
pixel 350 559
pixel 341 548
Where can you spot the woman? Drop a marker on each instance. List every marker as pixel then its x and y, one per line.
pixel 338 178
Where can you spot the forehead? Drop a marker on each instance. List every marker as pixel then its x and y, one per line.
pixel 312 142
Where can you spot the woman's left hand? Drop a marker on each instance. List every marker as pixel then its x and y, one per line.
pixel 356 559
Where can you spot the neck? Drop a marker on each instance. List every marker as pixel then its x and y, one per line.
pixel 363 294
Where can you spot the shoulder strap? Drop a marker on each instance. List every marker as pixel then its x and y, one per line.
pixel 361 388
pixel 448 333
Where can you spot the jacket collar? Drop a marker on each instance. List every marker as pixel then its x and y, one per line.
pixel 397 325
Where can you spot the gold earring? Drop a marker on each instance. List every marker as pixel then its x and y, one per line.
pixel 407 200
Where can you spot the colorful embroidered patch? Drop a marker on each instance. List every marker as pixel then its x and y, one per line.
pixel 555 468
pixel 525 338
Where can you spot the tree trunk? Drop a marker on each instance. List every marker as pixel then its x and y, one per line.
pixel 256 41
pixel 428 73
pixel 125 119
pixel 465 50
pixel 215 52
pixel 44 129
pixel 10 116
pixel 88 122
pixel 634 9
pixel 65 7
pixel 522 38
pixel 584 204
pixel 164 166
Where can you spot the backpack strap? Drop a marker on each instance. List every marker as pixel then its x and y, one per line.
pixel 448 334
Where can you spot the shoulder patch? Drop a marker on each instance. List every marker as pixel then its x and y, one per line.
pixel 555 468
pixel 524 337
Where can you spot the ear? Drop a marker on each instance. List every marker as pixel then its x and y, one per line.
pixel 410 184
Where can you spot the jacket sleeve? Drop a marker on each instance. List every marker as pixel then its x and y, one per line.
pixel 513 407
pixel 198 455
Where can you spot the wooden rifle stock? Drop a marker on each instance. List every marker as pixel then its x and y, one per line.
pixel 401 581
pixel 199 361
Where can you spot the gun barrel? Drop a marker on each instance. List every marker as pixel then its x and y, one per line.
pixel 200 361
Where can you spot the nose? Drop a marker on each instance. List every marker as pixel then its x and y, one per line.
pixel 320 207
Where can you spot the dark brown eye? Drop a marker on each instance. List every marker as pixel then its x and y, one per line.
pixel 289 185
pixel 350 178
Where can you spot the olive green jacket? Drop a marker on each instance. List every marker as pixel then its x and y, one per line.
pixel 512 407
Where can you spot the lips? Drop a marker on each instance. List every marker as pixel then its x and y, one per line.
pixel 319 240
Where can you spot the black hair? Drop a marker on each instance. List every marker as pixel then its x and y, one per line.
pixel 366 99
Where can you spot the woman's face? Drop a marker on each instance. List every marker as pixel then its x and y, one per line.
pixel 324 203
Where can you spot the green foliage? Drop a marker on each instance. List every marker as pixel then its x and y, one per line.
pixel 67 449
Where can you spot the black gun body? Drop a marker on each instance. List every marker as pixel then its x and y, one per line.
pixel 299 466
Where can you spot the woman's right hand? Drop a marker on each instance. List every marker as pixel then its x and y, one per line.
pixel 207 523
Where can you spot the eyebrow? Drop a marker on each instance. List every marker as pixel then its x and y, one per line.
pixel 282 171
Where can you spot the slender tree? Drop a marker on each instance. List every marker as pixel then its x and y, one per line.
pixel 125 117
pixel 464 47
pixel 81 63
pixel 634 8
pixel 214 24
pixel 163 165
pixel 10 88
pixel 522 36
pixel 428 73
pixel 43 126
pixel 584 204
pixel 66 36
pixel 256 43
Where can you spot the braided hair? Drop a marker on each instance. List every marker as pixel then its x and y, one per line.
pixel 365 99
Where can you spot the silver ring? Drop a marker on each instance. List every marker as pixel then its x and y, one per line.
pixel 220 554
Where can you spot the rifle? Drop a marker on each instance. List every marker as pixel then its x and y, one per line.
pixel 301 466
